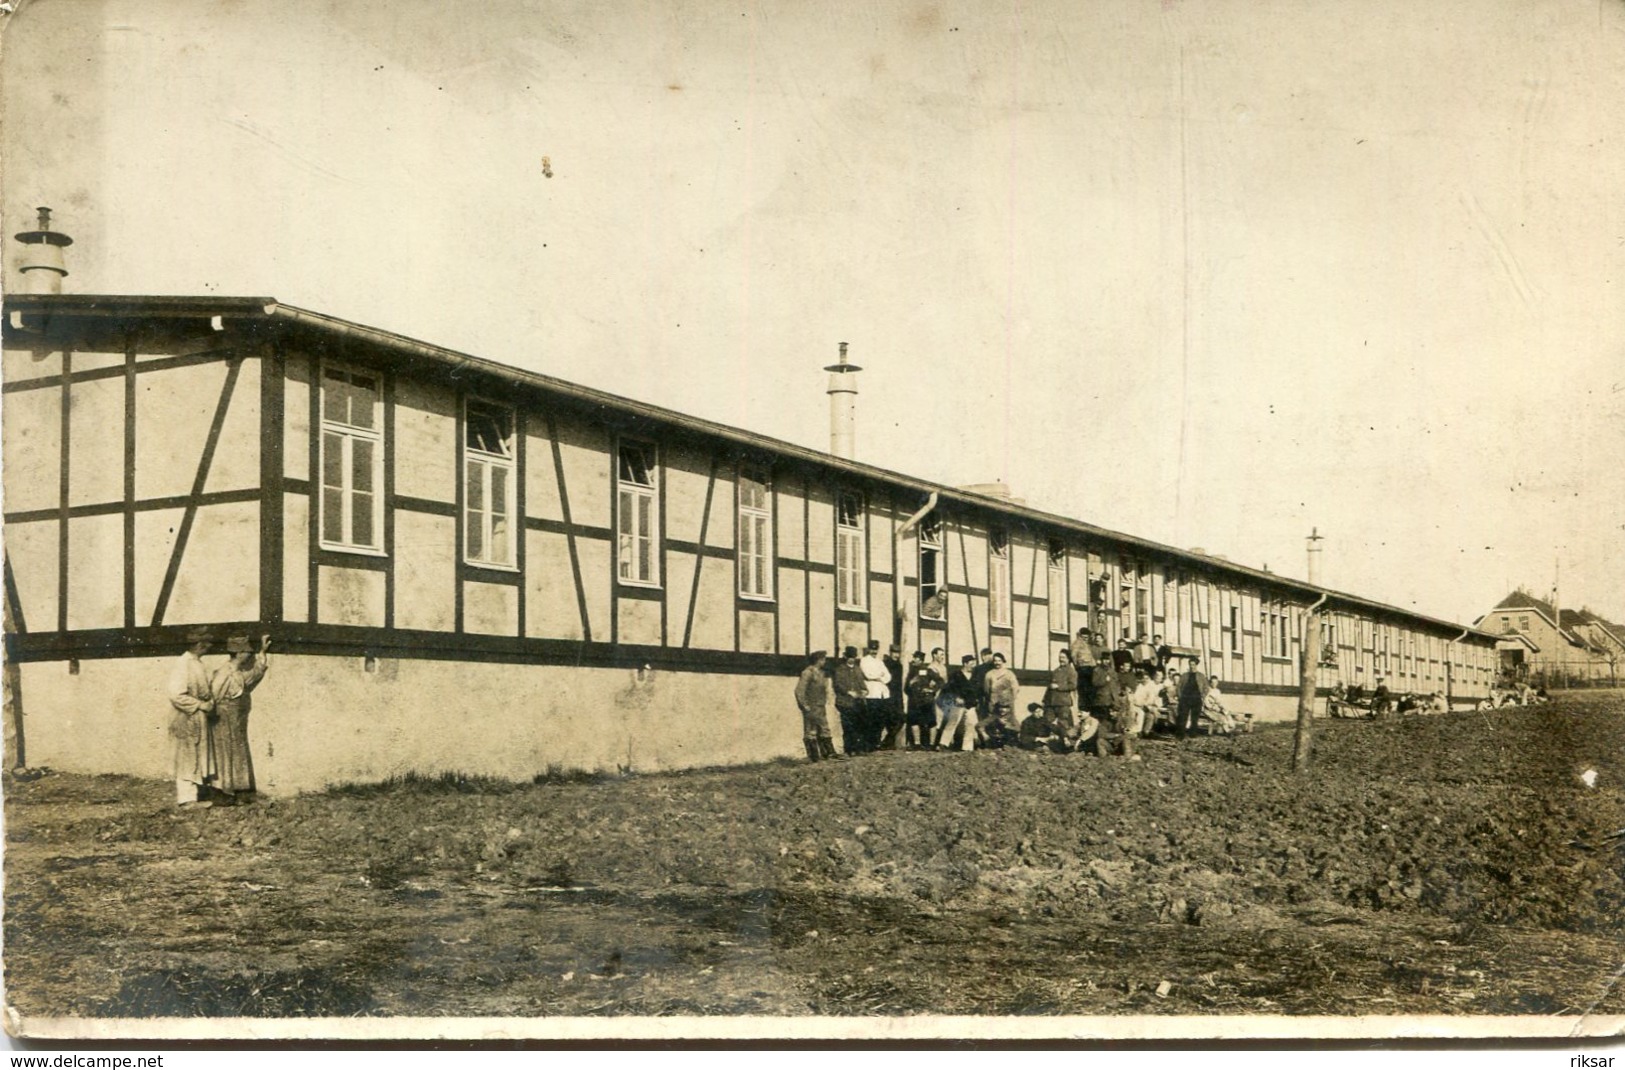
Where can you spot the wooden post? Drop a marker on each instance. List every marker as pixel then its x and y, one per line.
pixel 15 744
pixel 1302 738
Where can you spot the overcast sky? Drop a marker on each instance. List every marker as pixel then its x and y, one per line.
pixel 1209 273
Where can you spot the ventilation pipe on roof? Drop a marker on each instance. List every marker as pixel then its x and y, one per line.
pixel 1315 538
pixel 41 265
pixel 843 406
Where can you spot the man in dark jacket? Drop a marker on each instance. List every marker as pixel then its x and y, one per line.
pixel 850 694
pixel 958 702
pixel 1193 687
pixel 925 680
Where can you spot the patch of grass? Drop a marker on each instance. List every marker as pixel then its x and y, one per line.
pixel 449 783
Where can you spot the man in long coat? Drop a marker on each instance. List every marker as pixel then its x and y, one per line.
pixel 191 701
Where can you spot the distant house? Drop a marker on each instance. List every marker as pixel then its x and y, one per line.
pixel 1547 646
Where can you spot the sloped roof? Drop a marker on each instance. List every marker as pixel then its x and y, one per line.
pixel 266 314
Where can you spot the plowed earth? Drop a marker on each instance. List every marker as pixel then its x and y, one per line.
pixel 1454 864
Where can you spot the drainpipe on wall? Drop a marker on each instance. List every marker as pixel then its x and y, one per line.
pixel 897 609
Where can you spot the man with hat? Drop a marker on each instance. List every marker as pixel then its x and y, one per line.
pixel 850 691
pixel 1085 655
pixel 812 696
pixel 896 712
pixel 956 703
pixel 191 702
pixel 877 696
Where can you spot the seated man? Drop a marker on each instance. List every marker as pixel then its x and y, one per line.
pixel 1039 732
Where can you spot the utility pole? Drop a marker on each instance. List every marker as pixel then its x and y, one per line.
pixel 1303 737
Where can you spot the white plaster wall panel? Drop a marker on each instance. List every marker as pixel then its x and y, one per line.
pixel 173 410
pixel 295 557
pixel 21 365
pixel 852 633
pixel 714 608
pixel 587 472
pixel 1004 644
pixel 236 463
pixel 755 631
pixel 219 575
pixel 821 612
pixel 974 556
pixel 789 520
pixel 686 475
pixel 95 442
pixel 425 571
pixel 296 417
pixel 597 570
pixel 880 532
pixel 720 532
pixel 1034 649
pixel 353 596
pixel 880 607
pixel 1024 567
pixel 34 550
pixel 964 635
pixel 792 603
pixel 490 609
pixel 551 610
pixel 679 586
pixel 821 526
pixel 541 476
pixel 86 360
pixel 425 441
pixel 95 572
pixel 31 436
pixel 639 622
pixel 155 533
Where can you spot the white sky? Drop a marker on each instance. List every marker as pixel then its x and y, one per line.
pixel 1211 273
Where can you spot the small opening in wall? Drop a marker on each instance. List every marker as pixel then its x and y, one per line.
pixel 369 663
pixel 73 666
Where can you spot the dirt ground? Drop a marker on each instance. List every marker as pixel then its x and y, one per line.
pixel 1454 864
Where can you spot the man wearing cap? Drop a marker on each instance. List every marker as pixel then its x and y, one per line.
pixel 1085 655
pixel 191 702
pixel 896 717
pixel 849 698
pixel 1193 688
pixel 957 698
pixel 877 696
pixel 925 680
pixel 812 696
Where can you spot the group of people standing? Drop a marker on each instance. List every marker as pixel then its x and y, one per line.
pixel 1097 699
pixel 208 724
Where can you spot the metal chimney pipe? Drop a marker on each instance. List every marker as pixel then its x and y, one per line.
pixel 843 406
pixel 41 264
pixel 1314 540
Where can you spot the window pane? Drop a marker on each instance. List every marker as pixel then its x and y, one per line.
pixel 499 489
pixel 474 534
pixel 499 541
pixel 645 543
pixel 332 515
pixel 361 455
pixel 361 525
pixel 475 493
pixel 335 396
pixel 362 397
pixel 332 461
pixel 489 430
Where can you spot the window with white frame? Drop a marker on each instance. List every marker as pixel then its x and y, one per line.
pixel 352 460
pixel 755 534
pixel 1235 629
pixel 998 579
pixel 488 485
pixel 637 516
pixel 933 599
pixel 1057 587
pixel 850 566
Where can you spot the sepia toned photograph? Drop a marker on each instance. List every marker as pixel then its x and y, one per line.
pixel 922 520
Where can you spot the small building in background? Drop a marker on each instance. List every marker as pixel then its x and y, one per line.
pixel 1546 647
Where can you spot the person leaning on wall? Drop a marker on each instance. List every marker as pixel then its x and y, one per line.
pixel 228 729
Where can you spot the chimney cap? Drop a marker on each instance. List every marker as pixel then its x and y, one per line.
pixel 44 235
pixel 842 365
